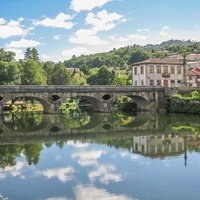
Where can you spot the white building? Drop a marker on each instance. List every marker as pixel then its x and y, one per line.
pixel 158 146
pixel 193 77
pixel 159 72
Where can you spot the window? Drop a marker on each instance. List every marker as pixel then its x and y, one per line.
pixel 135 83
pixel 142 70
pixel 165 69
pixel 172 71
pixel 151 69
pixel 152 149
pixel 142 82
pixel 179 83
pixel 190 78
pixel 158 82
pixel 179 70
pixel 172 83
pixel 158 71
pixel 159 148
pixel 151 82
pixel 135 70
pixel 180 146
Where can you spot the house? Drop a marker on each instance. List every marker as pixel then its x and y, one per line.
pixel 159 72
pixel 193 77
pixel 158 146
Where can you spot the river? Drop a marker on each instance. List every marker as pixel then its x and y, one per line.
pixel 99 156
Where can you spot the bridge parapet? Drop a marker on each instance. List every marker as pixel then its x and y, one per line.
pixel 101 97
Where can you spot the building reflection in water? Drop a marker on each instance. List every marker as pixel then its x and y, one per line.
pixel 166 145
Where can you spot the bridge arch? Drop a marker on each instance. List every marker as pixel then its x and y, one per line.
pixel 47 105
pixel 96 102
pixel 139 103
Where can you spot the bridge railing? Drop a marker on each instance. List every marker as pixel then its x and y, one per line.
pixel 78 89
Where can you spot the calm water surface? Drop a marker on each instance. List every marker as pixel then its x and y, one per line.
pixel 100 157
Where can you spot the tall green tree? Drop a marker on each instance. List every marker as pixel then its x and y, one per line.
pixel 60 75
pixel 48 68
pixel 35 55
pixel 31 54
pixel 32 73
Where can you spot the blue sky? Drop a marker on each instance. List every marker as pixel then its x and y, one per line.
pixel 62 28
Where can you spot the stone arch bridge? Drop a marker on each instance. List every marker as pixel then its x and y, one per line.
pixel 100 97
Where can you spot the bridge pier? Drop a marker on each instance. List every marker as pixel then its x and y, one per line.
pixel 1 109
pixel 53 108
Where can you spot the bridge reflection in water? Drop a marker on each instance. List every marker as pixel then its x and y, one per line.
pixel 152 135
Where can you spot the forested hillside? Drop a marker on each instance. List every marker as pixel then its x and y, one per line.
pixel 106 68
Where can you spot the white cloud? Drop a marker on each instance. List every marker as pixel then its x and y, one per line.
pixel 86 5
pixel 23 43
pixel 164 32
pixel 60 21
pixel 165 28
pixel 57 198
pixel 77 51
pixel 92 192
pixel 62 174
pixel 19 54
pixel 45 57
pixel 77 144
pixel 2 21
pixel 103 20
pixel 13 171
pixel 88 158
pixel 105 174
pixel 132 38
pixel 131 156
pixel 86 36
pixel 143 30
pixel 12 28
pixel 57 37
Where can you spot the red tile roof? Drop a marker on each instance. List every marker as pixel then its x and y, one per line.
pixel 196 70
pixel 162 61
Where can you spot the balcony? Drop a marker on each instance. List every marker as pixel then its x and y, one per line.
pixel 165 75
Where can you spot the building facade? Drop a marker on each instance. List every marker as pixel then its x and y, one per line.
pixel 193 77
pixel 159 72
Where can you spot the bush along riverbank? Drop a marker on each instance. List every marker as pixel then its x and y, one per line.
pixel 185 103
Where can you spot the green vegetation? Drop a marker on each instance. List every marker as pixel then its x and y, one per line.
pixel 195 95
pixel 187 129
pixel 110 68
pixel 185 103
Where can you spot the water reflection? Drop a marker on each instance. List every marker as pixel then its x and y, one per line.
pixel 110 157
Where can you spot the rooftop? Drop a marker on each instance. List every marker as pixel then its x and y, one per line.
pixel 162 61
pixel 193 72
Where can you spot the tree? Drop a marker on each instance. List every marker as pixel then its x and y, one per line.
pixel 121 80
pixel 35 55
pixel 48 69
pixel 32 153
pixel 7 56
pixel 103 77
pixel 31 54
pixel 9 73
pixel 32 73
pixel 60 75
pixel 138 56
pixel 78 79
pixel 28 54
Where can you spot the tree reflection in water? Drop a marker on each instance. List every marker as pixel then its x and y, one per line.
pixel 156 136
